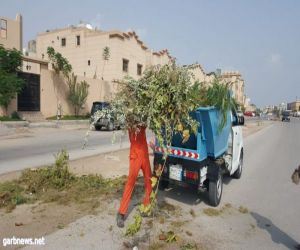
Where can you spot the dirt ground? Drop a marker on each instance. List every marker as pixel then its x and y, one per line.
pixel 42 219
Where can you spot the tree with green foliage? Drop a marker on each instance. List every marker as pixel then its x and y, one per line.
pixel 58 62
pixel 10 83
pixel 78 92
pixel 60 65
pixel 105 57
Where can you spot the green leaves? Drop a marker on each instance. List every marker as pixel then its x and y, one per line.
pixel 10 83
pixel 10 60
pixel 219 96
pixel 59 63
pixel 78 92
pixel 133 228
pixel 106 53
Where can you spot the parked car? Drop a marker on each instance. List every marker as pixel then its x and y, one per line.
pixel 249 113
pixel 285 116
pixel 296 114
pixel 110 123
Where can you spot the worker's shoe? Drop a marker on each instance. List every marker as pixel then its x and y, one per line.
pixel 120 220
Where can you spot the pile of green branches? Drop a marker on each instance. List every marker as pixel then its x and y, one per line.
pixel 162 100
pixel 219 96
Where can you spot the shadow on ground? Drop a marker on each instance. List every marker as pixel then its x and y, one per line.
pixel 278 236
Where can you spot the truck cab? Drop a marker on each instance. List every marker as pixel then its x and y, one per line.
pixel 202 161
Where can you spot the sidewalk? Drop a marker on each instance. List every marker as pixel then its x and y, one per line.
pixel 45 124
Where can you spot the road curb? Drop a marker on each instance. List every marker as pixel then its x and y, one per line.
pixel 12 124
pixel 45 124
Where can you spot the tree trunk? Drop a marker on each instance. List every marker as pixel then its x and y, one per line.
pixel 6 110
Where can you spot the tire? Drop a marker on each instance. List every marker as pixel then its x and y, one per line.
pixel 163 184
pixel 215 190
pixel 110 126
pixel 97 127
pixel 238 173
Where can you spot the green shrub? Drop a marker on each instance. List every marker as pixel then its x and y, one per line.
pixel 15 115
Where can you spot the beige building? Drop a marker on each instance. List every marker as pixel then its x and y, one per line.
pixel 11 32
pixel 238 84
pixel 199 74
pixel 294 106
pixel 233 77
pixel 46 94
pixel 83 47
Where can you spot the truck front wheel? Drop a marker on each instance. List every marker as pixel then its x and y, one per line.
pixel 215 191
pixel 238 173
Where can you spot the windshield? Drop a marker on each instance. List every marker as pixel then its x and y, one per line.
pixel 99 106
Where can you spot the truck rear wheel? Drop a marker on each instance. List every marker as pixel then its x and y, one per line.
pixel 110 126
pixel 163 184
pixel 215 190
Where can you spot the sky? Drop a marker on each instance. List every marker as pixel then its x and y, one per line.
pixel 259 38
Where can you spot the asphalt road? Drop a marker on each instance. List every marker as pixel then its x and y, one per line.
pixel 271 155
pixel 37 146
pixel 265 189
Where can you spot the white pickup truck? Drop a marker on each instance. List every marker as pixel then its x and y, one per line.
pixel 202 161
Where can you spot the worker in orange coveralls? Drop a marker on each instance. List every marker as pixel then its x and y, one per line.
pixel 139 159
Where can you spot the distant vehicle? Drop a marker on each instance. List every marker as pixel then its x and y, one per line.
pixel 285 116
pixel 249 113
pixel 109 123
pixel 296 114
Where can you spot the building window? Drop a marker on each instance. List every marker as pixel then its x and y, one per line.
pixel 63 42
pixel 125 65
pixel 3 28
pixel 78 40
pixel 139 69
pixel 89 62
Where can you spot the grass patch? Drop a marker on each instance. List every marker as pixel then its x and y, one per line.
pixel 157 245
pixel 56 184
pixel 178 223
pixel 243 210
pixel 70 117
pixel 9 119
pixel 216 212
pixel 212 211
pixel 188 246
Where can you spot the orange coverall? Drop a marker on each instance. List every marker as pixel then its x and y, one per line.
pixel 139 159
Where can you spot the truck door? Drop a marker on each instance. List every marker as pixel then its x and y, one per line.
pixel 236 145
pixel 237 141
